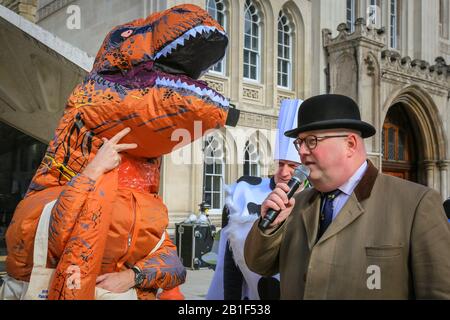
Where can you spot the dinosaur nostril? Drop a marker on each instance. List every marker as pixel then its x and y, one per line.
pixel 126 34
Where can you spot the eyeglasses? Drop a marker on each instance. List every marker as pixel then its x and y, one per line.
pixel 311 141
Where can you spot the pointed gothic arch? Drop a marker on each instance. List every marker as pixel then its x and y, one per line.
pixel 429 139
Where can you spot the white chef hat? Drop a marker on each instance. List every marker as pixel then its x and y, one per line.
pixel 287 120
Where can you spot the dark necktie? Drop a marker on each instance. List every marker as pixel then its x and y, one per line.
pixel 326 214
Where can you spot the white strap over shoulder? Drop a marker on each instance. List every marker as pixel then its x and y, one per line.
pixel 158 245
pixel 41 239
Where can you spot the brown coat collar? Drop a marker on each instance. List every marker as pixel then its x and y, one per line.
pixel 364 187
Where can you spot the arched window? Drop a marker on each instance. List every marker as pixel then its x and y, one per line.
pixel 251 160
pixel 216 9
pixel 252 45
pixel 284 52
pixel 214 170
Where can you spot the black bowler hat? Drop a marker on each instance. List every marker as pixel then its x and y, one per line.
pixel 330 111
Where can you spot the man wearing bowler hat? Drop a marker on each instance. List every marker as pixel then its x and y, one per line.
pixel 358 234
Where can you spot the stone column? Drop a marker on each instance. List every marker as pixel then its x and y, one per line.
pixel 429 166
pixel 443 165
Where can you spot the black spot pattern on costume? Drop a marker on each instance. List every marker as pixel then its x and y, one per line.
pixel 254 208
pixel 254 181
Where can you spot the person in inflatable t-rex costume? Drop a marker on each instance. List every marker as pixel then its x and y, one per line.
pixel 144 78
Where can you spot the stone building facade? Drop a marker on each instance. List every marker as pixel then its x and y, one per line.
pixel 388 55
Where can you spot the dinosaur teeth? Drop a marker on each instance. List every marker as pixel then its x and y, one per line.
pixel 214 96
pixel 180 41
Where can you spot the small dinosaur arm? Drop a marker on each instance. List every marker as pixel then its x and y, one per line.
pixel 144 77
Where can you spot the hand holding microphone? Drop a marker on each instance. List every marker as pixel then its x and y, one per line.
pixel 275 202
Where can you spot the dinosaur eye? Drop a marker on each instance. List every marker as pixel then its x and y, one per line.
pixel 126 34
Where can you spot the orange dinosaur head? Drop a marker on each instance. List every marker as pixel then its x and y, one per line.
pixel 170 39
pixel 145 77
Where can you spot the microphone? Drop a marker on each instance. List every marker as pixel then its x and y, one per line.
pixel 299 176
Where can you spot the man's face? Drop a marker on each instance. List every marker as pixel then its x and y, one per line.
pixel 327 160
pixel 285 170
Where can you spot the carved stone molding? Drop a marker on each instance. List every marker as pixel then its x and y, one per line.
pixel 370 63
pixel 432 78
pixel 216 85
pixel 443 164
pixel 362 33
pixel 253 93
pixel 283 96
pixel 429 164
pixel 250 94
pixel 256 120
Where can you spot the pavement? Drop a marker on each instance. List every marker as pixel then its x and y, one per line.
pixel 197 283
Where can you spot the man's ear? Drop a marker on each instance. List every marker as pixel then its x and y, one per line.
pixel 352 144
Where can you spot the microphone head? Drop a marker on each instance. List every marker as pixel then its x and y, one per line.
pixel 301 172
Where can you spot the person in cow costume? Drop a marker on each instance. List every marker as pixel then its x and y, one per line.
pixel 108 223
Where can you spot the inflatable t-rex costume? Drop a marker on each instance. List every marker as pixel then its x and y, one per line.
pixel 143 78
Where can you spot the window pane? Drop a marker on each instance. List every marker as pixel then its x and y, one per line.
pixel 216 201
pixel 401 147
pixel 391 144
pixel 208 183
pixel 253 73
pixel 208 198
pixel 246 57
pixel 221 19
pixel 216 184
pixel 246 168
pixel 218 167
pixel 253 59
pixel 218 66
pixel 248 26
pixel 246 72
pixel 212 8
pixel 254 29
pixel 247 41
pixel 254 169
pixel 255 43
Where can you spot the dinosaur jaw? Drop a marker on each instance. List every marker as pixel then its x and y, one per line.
pixel 194 52
pixel 178 65
pixel 196 87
